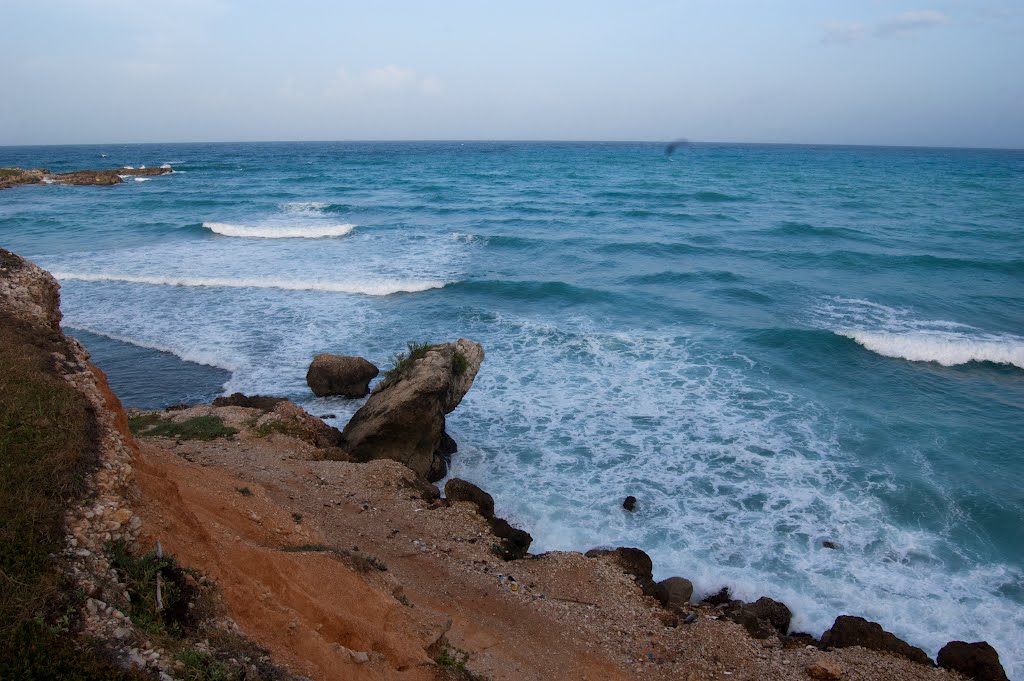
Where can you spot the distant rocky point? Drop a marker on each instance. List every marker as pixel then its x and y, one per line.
pixel 14 177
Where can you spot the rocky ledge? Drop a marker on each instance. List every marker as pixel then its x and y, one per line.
pixel 13 177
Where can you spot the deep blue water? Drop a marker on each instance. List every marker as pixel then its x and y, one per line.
pixel 770 346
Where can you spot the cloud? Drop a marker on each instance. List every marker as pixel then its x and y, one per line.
pixel 911 21
pixel 848 33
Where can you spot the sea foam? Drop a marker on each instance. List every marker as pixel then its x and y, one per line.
pixel 382 287
pixel 897 332
pixel 303 232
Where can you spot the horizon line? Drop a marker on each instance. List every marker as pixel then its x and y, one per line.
pixel 518 141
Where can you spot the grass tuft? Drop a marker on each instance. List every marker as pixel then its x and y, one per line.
pixel 195 428
pixel 200 665
pixel 403 360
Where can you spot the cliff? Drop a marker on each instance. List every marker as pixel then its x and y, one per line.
pixel 279 559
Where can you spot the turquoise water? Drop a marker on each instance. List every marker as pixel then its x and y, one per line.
pixel 772 347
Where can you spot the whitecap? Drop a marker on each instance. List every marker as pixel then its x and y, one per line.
pixel 382 287
pixel 193 354
pixel 143 179
pixel 298 232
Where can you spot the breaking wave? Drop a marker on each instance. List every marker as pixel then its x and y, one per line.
pixel 304 232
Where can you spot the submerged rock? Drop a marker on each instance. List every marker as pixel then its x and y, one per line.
pixel 403 419
pixel 856 631
pixel 630 503
pixel 343 375
pixel 978 661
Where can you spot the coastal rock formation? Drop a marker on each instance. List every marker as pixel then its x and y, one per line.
pixel 457 489
pixel 978 661
pixel 633 562
pixel 28 293
pixel 762 618
pixel 857 631
pixel 12 177
pixel 340 375
pixel 262 402
pixel 403 419
pixel 674 592
pixel 290 419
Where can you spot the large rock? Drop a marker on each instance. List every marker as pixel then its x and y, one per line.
pixel 856 631
pixel 762 618
pixel 633 562
pixel 457 489
pixel 978 661
pixel 340 375
pixel 403 419
pixel 28 293
pixel 12 177
pixel 262 402
pixel 674 592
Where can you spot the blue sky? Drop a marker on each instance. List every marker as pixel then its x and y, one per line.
pixel 868 72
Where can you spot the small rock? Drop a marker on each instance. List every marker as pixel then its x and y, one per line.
pixel 825 670
pixel 340 375
pixel 457 489
pixel 674 592
pixel 630 503
pixel 360 657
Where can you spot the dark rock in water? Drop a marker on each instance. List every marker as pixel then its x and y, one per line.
pixel 978 661
pixel 262 402
pixel 856 631
pixel 723 597
pixel 340 375
pixel 12 177
pixel 674 592
pixel 762 618
pixel 633 562
pixel 516 542
pixel 447 446
pixel 798 639
pixel 630 503
pixel 460 490
pixel 403 419
pixel 829 545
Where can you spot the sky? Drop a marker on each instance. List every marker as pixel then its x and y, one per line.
pixel 792 71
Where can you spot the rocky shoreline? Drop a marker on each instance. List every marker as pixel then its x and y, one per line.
pixel 15 177
pixel 319 553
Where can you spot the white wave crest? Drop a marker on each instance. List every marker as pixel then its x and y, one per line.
pixel 305 232
pixel 143 179
pixel 193 355
pixel 898 332
pixel 947 349
pixel 383 287
pixel 304 206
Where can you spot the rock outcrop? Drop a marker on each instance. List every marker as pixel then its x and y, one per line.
pixel 673 593
pixel 262 402
pixel 515 542
pixel 978 661
pixel 633 562
pixel 857 631
pixel 340 375
pixel 12 177
pixel 28 293
pixel 404 417
pixel 762 618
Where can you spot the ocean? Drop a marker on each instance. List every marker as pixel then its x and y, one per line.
pixel 806 362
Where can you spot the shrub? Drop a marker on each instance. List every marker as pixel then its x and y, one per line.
pixel 403 360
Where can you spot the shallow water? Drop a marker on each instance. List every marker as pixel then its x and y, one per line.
pixel 771 347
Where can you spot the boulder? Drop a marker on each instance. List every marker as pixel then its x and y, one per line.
pixel 722 597
pixel 978 661
pixel 825 670
pixel 856 631
pixel 762 618
pixel 515 542
pixel 630 503
pixel 340 375
pixel 262 402
pixel 457 489
pixel 294 421
pixel 674 592
pixel 403 419
pixel 633 562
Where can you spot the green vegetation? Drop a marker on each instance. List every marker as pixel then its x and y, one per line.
pixel 47 449
pixel 139 575
pixel 195 428
pixel 297 518
pixel 403 360
pixel 405 601
pixel 201 666
pixel 459 364
pixel 283 426
pixel 244 491
pixel 307 548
